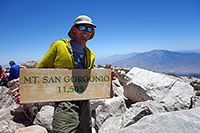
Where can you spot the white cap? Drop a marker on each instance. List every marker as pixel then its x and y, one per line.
pixel 83 19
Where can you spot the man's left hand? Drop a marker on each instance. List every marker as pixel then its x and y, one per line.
pixel 113 73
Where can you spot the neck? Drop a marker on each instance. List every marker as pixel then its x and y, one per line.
pixel 82 43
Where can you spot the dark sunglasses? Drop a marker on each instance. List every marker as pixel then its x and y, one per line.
pixel 83 28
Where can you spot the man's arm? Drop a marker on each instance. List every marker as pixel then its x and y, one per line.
pixel 3 75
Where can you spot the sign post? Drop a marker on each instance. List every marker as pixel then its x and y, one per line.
pixel 50 85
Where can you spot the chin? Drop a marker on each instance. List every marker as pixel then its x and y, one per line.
pixel 84 39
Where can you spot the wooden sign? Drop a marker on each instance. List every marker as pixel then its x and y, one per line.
pixel 49 85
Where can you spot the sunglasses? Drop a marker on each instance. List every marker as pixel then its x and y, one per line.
pixel 83 28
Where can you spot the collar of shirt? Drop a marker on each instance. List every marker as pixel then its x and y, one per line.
pixel 77 48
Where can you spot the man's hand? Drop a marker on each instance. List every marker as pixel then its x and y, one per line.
pixel 16 95
pixel 113 73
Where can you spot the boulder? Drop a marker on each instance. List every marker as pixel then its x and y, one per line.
pixel 26 113
pixel 6 103
pixel 93 122
pixel 45 117
pixel 95 103
pixel 5 97
pixel 191 79
pixel 13 84
pixel 93 130
pixel 139 110
pixel 113 107
pixel 142 85
pixel 195 102
pixel 131 116
pixel 118 89
pixel 178 97
pixel 32 129
pixel 8 126
pixel 184 121
pixel 30 64
pixel 111 125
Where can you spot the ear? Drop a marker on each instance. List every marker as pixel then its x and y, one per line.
pixel 74 29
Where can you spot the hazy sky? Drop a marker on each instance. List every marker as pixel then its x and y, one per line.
pixel 28 27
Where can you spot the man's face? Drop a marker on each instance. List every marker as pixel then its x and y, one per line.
pixel 10 64
pixel 82 35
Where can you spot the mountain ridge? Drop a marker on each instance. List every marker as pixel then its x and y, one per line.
pixel 110 59
pixel 163 61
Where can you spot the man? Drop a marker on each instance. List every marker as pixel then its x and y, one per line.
pixel 2 76
pixel 72 116
pixel 14 71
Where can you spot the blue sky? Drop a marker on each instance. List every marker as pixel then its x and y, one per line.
pixel 28 27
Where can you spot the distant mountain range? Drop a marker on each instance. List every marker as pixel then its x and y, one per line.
pixel 111 59
pixel 159 60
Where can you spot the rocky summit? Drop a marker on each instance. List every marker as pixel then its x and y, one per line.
pixel 143 101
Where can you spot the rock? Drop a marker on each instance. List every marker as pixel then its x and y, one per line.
pixel 191 79
pixel 5 97
pixel 121 72
pixel 197 93
pixel 96 103
pixel 45 117
pixel 118 89
pixel 30 64
pixel 93 130
pixel 93 122
pixel 142 85
pixel 26 113
pixel 195 102
pixel 131 116
pixel 184 121
pixel 32 129
pixel 111 125
pixel 178 97
pixel 113 107
pixel 139 110
pixel 8 126
pixel 22 115
pixel 13 84
pixel 6 103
